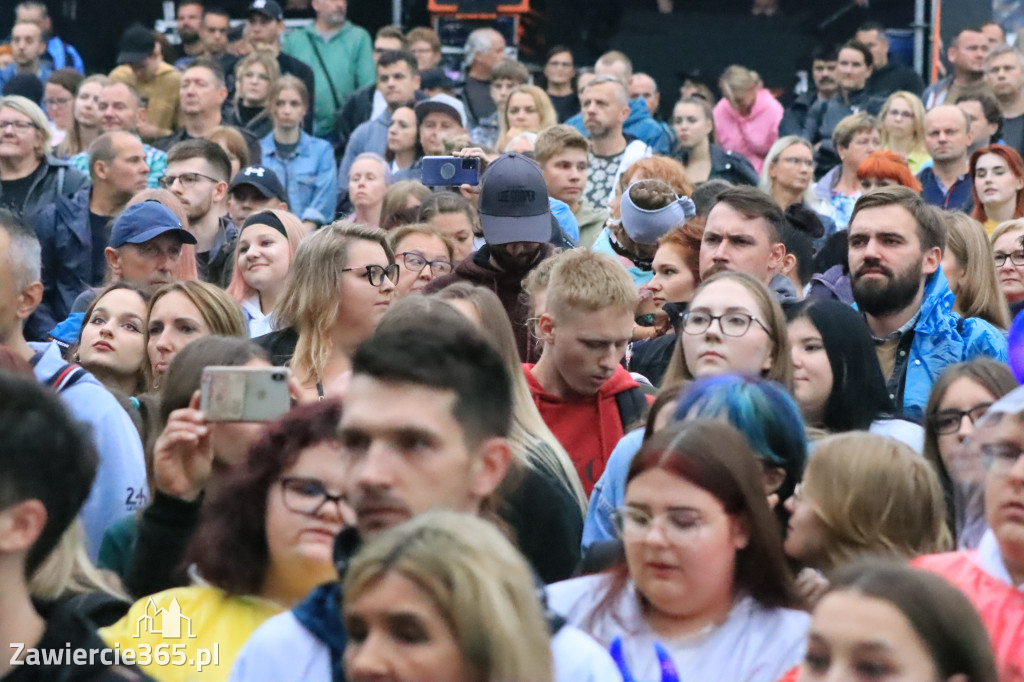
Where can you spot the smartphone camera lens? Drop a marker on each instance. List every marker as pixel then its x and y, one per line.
pixel 277 376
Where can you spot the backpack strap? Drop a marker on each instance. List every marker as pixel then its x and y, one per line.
pixel 632 406
pixel 66 377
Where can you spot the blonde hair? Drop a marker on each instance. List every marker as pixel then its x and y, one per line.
pixel 736 79
pixel 294 232
pixel 396 236
pixel 1004 227
pixel 221 313
pixel 916 106
pixel 68 571
pixel 772 158
pixel 548 117
pixel 27 107
pixel 978 293
pixel 769 311
pixel 585 281
pixel 310 299
pixel 875 495
pixel 531 440
pixel 480 585
pixel 264 59
pixel 232 142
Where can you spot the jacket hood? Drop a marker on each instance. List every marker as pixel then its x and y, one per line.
pixel 620 381
pixel 637 112
pixel 320 613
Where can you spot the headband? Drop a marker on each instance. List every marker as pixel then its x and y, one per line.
pixel 644 226
pixel 265 218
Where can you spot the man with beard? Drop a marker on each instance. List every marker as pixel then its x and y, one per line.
pixel 517 225
pixel 189 22
pixel 744 234
pixel 198 172
pixel 605 108
pixel 896 243
pixel 947 137
pixel 967 57
pixel 1004 71
pixel 823 73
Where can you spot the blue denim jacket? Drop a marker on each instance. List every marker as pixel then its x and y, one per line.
pixel 308 176
pixel 610 491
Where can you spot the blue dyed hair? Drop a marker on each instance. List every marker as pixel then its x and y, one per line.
pixel 763 411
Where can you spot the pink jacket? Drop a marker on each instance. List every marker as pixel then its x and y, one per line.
pixel 753 135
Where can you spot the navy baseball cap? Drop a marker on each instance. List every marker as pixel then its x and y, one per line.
pixel 514 201
pixel 263 179
pixel 136 44
pixel 267 8
pixel 144 221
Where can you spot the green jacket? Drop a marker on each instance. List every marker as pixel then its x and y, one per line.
pixel 591 221
pixel 349 57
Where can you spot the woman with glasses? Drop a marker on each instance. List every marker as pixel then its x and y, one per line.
pixel 959 398
pixel 901 129
pixel 836 379
pixel 788 175
pixel 342 280
pixel 734 325
pixel 255 75
pixel 279 514
pixel 1008 256
pixel 704 586
pixel 264 251
pixel 863 495
pixel 694 126
pixel 559 77
pixel 304 164
pixel 998 189
pixel 59 98
pixel 992 574
pixel 29 176
pixel 423 253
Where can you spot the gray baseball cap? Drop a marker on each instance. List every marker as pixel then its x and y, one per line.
pixel 514 201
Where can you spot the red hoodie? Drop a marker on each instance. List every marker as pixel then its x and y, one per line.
pixel 588 428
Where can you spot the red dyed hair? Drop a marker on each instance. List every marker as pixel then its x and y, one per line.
pixel 1016 164
pixel 888 165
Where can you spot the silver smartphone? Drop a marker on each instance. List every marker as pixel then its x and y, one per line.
pixel 244 394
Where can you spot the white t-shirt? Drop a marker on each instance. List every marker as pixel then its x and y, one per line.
pixel 754 644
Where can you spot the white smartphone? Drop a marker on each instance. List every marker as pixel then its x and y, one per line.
pixel 244 394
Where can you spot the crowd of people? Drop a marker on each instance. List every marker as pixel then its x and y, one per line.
pixel 723 396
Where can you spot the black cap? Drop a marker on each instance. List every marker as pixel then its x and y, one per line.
pixel 267 8
pixel 263 179
pixel 136 44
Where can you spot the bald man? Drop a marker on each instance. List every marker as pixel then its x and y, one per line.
pixel 947 135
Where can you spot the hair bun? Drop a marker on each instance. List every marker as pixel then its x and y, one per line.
pixel 805 220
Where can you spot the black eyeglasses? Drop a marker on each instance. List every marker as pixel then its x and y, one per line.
pixel 1017 258
pixel 306 496
pixel 187 180
pixel 375 274
pixel 416 262
pixel 948 421
pixel 17 125
pixel 733 324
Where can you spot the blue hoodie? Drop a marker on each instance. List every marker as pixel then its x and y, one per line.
pixel 639 125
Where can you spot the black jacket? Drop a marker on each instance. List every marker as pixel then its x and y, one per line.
pixel 893 77
pixel 67 628
pixel 726 165
pixel 51 179
pixel 824 116
pixel 280 345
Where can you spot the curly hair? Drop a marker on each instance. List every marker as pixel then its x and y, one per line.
pixel 235 516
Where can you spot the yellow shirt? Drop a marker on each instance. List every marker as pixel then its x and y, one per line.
pixel 990 226
pixel 188 633
pixel 161 92
pixel 917 160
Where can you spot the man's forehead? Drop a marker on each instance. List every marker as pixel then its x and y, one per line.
pixel 889 218
pixel 366 393
pixel 726 220
pixel 196 164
